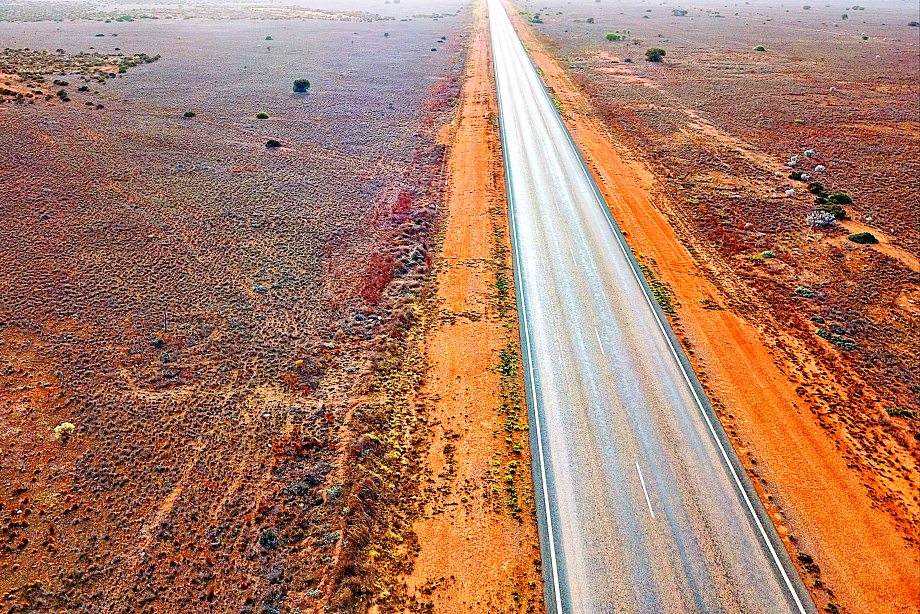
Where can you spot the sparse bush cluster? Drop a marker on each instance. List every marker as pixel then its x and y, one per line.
pixel 655 54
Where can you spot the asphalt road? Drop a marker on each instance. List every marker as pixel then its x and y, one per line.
pixel 643 506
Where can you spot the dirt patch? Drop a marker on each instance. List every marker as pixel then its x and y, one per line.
pixel 843 512
pixel 478 544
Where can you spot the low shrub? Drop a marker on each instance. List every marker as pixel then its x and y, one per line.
pixel 188 114
pixel 842 342
pixel 900 412
pixel 262 116
pixel 655 54
pixel 301 85
pixel 836 210
pixel 863 238
pixel 820 218
pixel 840 198
pixel 817 188
pixel 760 48
pixel 272 143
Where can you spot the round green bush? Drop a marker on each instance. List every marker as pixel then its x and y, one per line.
pixel 262 115
pixel 863 238
pixel 655 54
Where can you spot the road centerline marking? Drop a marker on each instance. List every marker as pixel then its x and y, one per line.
pixel 599 342
pixel 645 490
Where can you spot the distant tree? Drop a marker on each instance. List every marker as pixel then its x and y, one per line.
pixel 679 12
pixel 301 85
pixel 589 20
pixel 262 115
pixel 269 37
pixel 844 17
pixel 655 54
pixel 188 114
pixel 914 24
pixel 272 143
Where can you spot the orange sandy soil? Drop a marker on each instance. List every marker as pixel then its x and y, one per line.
pixel 839 523
pixel 476 553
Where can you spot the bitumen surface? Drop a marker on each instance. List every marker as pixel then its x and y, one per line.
pixel 642 503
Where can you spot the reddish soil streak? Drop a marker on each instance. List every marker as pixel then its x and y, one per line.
pixel 474 556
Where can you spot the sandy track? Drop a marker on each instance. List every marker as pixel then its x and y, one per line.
pixel 799 465
pixel 475 555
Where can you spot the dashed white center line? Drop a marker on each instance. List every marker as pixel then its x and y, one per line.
pixel 599 342
pixel 575 262
pixel 642 481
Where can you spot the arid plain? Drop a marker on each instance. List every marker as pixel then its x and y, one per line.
pixel 259 349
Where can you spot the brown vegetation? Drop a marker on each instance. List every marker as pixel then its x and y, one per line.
pixel 232 331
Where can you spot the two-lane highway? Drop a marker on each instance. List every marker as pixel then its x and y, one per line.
pixel 642 504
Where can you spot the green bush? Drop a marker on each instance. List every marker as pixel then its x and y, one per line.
pixel 613 36
pixel 301 85
pixel 262 115
pixel 188 114
pixel 817 188
pixel 863 238
pixel 840 198
pixel 900 412
pixel 760 48
pixel 836 210
pixel 272 143
pixel 655 54
pixel 842 342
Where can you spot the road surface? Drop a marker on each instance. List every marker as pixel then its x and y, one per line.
pixel 642 504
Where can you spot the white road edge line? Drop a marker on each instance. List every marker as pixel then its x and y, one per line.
pixel 750 507
pixel 699 404
pixel 644 490
pixel 575 262
pixel 530 372
pixel 598 335
pixel 536 415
